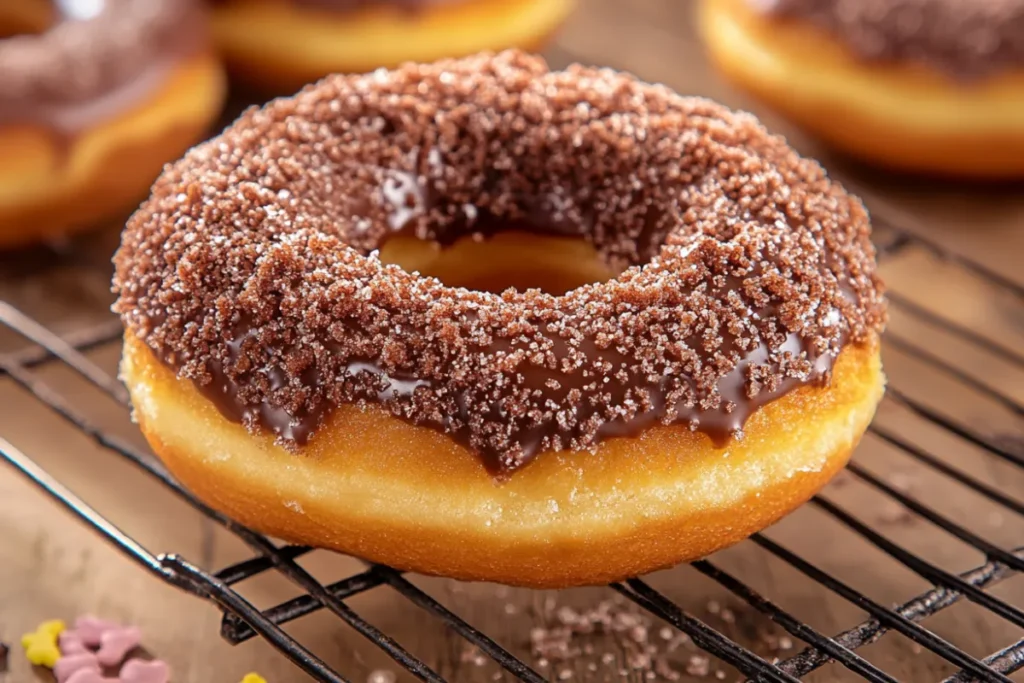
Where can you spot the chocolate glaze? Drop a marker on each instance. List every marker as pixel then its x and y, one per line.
pixel 740 391
pixel 965 38
pixel 743 270
pixel 81 72
pixel 409 199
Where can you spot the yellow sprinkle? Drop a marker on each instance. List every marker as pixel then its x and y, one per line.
pixel 254 678
pixel 41 645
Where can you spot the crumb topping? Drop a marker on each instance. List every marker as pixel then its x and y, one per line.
pixel 966 37
pixel 252 268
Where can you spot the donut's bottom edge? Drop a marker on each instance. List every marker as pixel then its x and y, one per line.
pixel 376 487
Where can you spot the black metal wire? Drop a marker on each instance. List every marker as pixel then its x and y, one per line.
pixel 243 621
pixel 793 626
pixel 950 425
pixel 923 568
pixel 921 353
pixel 1008 659
pixel 503 657
pixel 80 340
pixel 61 494
pixel 914 610
pixel 880 220
pixel 285 564
pixel 235 630
pixel 893 620
pixel 703 635
pixel 249 568
pixel 233 601
pixel 991 551
pixel 171 569
pixel 30 329
pixel 995 348
pixel 924 456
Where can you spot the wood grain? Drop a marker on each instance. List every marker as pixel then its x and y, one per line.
pixel 51 567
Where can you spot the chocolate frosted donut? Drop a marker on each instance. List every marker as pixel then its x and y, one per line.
pixel 253 271
pixel 118 84
pixel 96 61
pixel 280 46
pixel 930 86
pixel 966 38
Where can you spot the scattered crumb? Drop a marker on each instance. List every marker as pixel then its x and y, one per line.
pixel 894 513
pixel 618 634
pixel 901 481
pixel 381 676
pixel 841 480
pixel 471 654
pixel 699 665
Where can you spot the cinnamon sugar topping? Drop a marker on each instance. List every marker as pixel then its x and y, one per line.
pixel 251 269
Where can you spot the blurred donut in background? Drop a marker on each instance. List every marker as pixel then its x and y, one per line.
pixel 280 45
pixel 929 86
pixel 95 96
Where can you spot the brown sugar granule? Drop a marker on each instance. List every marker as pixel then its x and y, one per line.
pixel 252 267
pixel 964 37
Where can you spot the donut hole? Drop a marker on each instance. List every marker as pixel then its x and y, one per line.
pixel 514 259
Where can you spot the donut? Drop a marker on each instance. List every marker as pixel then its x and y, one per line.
pixel 280 45
pixel 294 376
pixel 926 86
pixel 95 99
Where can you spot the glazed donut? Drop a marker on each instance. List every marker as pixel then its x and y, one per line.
pixel 94 105
pixel 292 378
pixel 930 86
pixel 280 45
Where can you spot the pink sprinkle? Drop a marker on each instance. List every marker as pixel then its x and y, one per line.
pixel 90 629
pixel 68 665
pixel 116 643
pixel 71 643
pixel 138 671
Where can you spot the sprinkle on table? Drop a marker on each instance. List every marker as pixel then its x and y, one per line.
pixel 41 645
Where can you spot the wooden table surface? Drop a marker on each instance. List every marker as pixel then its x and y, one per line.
pixel 50 566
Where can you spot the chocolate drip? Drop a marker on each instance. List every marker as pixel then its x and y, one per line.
pixel 722 418
pixel 637 399
pixel 74 75
pixel 968 39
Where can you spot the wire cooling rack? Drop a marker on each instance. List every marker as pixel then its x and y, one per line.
pixel 242 620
